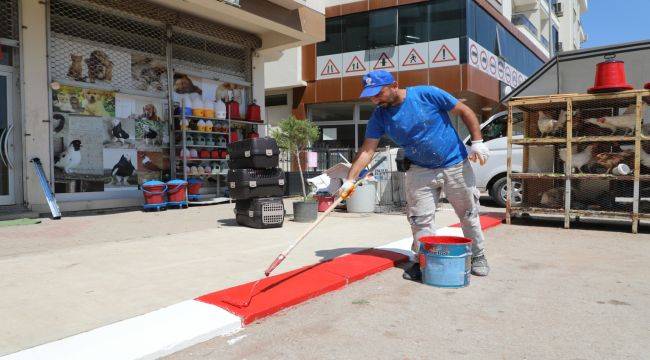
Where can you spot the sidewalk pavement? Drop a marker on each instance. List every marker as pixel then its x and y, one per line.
pixel 69 276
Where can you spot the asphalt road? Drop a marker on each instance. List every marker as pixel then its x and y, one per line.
pixel 552 294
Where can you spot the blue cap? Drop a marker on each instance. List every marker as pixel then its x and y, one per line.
pixel 374 81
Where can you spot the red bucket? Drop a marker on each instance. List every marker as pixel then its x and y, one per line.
pixel 194 186
pixel 647 86
pixel 204 154
pixel 176 191
pixel 324 202
pixel 154 192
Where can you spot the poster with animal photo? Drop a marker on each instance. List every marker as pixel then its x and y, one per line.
pixel 186 85
pixel 119 133
pixel 152 165
pixel 151 129
pixel 85 61
pixel 149 73
pixel 77 153
pixel 91 102
pixel 119 169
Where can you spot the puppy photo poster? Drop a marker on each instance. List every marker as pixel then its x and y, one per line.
pixel 91 102
pixel 151 129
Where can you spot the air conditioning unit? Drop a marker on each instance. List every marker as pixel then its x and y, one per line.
pixel 557 7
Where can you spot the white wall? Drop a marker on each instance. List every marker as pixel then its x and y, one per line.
pixel 283 69
pixel 35 102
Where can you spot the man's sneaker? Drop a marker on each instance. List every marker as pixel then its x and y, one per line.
pixel 413 273
pixel 480 266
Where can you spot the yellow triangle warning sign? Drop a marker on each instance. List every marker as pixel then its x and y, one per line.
pixel 355 65
pixel 330 69
pixel 383 62
pixel 413 58
pixel 444 55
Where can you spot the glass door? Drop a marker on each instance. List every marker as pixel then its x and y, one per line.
pixel 7 196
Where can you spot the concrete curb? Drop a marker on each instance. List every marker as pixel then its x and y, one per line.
pixel 176 327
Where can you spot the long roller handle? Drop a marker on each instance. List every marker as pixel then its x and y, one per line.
pixel 278 260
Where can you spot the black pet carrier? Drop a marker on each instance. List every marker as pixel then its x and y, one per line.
pixel 260 213
pixel 250 183
pixel 260 153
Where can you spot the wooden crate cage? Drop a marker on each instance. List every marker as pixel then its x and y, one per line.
pixel 601 136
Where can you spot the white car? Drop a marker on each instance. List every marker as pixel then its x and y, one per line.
pixel 491 177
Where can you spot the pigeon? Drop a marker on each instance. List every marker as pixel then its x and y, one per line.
pixel 69 158
pixel 149 134
pixel 578 159
pixel 117 132
pixel 122 170
pixel 627 121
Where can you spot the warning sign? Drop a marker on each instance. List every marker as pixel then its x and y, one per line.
pixel 493 65
pixel 413 58
pixel 330 69
pixel 484 60
pixel 355 65
pixel 444 55
pixel 383 62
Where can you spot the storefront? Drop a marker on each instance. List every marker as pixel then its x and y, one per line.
pixel 110 70
pixel 102 89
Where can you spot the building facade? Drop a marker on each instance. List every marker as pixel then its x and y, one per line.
pixel 95 88
pixel 478 50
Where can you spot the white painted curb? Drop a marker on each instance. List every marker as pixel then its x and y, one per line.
pixel 149 336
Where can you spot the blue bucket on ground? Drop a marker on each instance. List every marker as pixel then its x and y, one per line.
pixel 445 261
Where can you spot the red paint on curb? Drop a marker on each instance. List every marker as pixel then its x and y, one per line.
pixel 276 292
pixel 294 287
pixel 354 267
pixel 487 221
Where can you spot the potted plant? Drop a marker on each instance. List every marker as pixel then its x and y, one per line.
pixel 294 135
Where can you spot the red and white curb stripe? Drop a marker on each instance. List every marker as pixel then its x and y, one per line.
pixel 176 327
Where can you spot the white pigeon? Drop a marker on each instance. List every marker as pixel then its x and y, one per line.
pixel 626 121
pixel 70 158
pixel 578 159
pixel 549 125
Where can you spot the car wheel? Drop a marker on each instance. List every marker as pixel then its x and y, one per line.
pixel 499 192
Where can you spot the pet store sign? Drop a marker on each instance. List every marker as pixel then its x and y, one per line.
pixel 480 58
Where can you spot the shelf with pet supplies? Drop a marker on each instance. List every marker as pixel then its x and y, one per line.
pixel 202 146
pixel 195 160
pixel 579 155
pixel 200 132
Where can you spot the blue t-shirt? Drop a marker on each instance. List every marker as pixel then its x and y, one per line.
pixel 421 125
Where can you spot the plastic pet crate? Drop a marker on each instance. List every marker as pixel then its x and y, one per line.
pixel 250 183
pixel 260 153
pixel 260 213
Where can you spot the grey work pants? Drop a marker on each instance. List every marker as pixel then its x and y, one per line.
pixel 423 188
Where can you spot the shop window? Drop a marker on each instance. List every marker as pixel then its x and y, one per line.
pixel 275 100
pixel 382 28
pixel 332 112
pixel 336 136
pixel 447 19
pixel 356 32
pixel 413 24
pixel 333 40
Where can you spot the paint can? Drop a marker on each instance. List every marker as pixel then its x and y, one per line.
pixel 445 261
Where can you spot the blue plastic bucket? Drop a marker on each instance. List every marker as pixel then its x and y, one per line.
pixel 445 261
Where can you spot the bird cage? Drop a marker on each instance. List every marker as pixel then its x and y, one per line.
pixel 584 156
